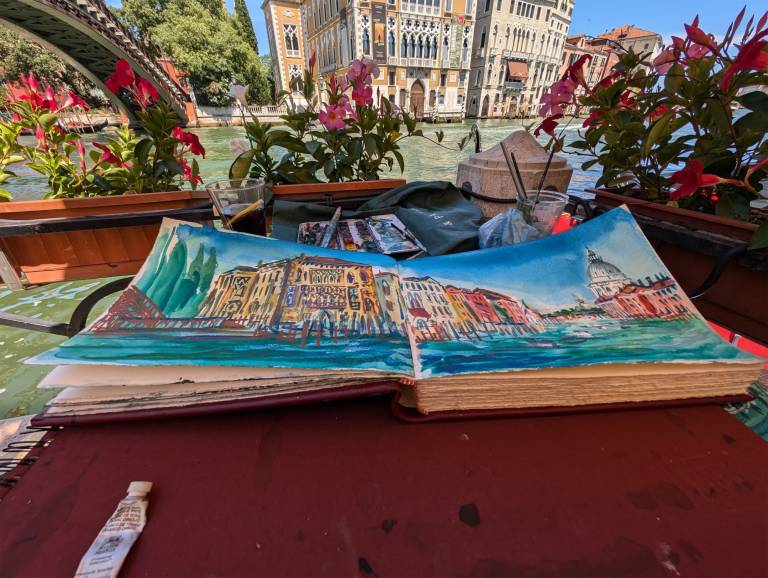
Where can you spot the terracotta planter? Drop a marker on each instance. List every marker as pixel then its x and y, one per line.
pixel 691 244
pixel 342 193
pixel 85 254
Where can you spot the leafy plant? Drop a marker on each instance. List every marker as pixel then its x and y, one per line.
pixel 151 159
pixel 346 136
pixel 667 129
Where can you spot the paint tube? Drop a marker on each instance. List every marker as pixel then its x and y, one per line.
pixel 108 551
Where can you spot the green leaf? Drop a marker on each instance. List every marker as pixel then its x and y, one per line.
pixel 585 166
pixel 658 132
pixel 141 151
pixel 400 161
pixel 757 101
pixel 5 195
pixel 47 120
pixel 238 170
pixel 756 122
pixel 760 238
pixel 674 78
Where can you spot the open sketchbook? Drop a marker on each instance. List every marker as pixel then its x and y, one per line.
pixel 590 316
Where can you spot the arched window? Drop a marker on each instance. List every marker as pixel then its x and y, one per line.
pixel 420 48
pixel 482 39
pixel 366 42
pixel 445 48
pixel 434 48
pixel 291 39
pixel 464 48
pixel 404 47
pixel 391 43
pixel 412 50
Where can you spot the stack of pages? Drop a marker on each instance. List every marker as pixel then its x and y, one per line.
pixel 587 317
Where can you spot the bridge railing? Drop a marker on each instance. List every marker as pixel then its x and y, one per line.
pixel 267 110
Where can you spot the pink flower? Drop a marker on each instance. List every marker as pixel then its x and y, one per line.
pixel 362 70
pixel 560 93
pixel 78 144
pixel 696 51
pixel 188 139
pixel 42 140
pixel 362 95
pixel 31 83
pixel 665 60
pixel 122 77
pixel 548 125
pixel 332 117
pixel 343 103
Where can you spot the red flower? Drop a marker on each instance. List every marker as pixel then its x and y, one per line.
pixel 752 56
pixel 362 94
pixel 692 178
pixel 665 60
pixel 122 77
pixel 576 70
pixel 697 36
pixel 107 156
pixel 626 99
pixel 74 100
pixel 592 118
pixel 145 93
pixel 548 125
pixel 658 112
pixel 189 139
pixel 187 176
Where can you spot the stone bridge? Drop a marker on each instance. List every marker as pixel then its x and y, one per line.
pixel 85 34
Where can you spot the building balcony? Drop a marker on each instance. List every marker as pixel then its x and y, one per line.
pixel 328 68
pixel 516 55
pixel 514 85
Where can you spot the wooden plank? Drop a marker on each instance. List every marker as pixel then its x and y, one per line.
pixel 8 273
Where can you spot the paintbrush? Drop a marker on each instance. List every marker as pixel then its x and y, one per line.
pixel 249 209
pixel 330 228
pixel 544 175
pixel 514 171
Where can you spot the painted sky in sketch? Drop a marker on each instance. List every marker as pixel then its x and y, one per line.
pixel 547 273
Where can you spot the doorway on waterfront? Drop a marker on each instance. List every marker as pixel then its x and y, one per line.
pixel 432 98
pixel 417 99
pixel 486 102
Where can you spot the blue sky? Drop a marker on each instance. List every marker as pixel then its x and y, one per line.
pixel 595 16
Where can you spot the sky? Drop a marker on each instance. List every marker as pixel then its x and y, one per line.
pixel 595 16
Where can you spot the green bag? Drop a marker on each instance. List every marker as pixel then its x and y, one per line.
pixel 434 211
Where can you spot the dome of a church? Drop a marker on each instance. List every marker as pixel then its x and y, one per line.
pixel 599 270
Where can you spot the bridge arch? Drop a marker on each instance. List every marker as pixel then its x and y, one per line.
pixel 86 35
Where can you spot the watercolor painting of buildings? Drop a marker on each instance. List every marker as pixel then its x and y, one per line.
pixel 596 294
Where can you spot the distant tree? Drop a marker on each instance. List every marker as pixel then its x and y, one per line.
pixel 21 56
pixel 203 42
pixel 244 23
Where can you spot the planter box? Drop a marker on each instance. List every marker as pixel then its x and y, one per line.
pixel 346 194
pixel 691 244
pixel 86 254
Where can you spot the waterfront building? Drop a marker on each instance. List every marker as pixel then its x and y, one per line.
pixel 604 58
pixel 421 47
pixel 326 295
pixel 393 311
pixel 286 34
pixel 516 55
pixel 630 37
pixel 428 306
pixel 246 296
pixel 620 297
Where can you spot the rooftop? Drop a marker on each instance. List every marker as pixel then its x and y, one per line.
pixel 627 31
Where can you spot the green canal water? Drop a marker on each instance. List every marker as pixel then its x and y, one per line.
pixel 18 392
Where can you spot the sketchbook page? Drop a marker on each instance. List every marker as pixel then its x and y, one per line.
pixel 207 297
pixel 597 294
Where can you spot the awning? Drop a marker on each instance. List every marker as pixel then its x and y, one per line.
pixel 517 70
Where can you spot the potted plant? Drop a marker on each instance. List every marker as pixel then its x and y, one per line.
pixel 340 143
pixel 681 140
pixel 132 172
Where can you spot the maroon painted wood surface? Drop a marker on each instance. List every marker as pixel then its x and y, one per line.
pixel 343 489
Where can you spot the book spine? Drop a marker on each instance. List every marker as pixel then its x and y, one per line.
pixel 22 452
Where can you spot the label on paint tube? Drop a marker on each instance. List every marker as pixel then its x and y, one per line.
pixel 108 551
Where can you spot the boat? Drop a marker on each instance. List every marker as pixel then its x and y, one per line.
pixel 84 127
pixel 584 334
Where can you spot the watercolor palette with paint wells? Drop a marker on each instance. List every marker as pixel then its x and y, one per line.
pixel 217 319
